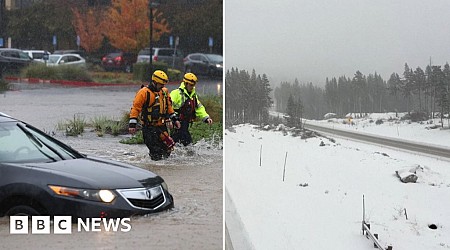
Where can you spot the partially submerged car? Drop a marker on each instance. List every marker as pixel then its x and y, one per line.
pixel 40 175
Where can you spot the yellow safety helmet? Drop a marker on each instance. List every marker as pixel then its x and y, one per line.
pixel 160 77
pixel 190 78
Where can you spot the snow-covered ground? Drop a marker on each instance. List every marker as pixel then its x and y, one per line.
pixel 319 204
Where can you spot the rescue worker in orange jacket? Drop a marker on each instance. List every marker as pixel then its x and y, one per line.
pixel 188 107
pixel 152 104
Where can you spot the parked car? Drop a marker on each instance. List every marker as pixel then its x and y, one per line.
pixel 37 55
pixel 43 176
pixel 13 60
pixel 81 53
pixel 66 59
pixel 172 57
pixel 204 64
pixel 122 61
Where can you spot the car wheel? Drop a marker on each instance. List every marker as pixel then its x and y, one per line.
pixel 22 210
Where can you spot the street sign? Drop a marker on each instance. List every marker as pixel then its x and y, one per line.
pixel 1 42
pixel 210 42
pixel 45 56
pixel 54 40
pixel 171 41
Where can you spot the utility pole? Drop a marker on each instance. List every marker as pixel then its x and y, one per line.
pixel 2 23
pixel 151 5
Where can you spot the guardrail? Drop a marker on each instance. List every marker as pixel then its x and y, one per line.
pixel 366 231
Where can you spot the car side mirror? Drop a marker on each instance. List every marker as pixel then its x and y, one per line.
pixel 61 62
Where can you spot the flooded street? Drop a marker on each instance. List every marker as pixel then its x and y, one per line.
pixel 193 174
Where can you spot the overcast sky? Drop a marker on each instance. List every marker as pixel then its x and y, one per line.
pixel 314 39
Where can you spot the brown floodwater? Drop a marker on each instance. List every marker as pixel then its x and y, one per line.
pixel 194 174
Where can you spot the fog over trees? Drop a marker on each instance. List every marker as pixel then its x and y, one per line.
pixel 248 97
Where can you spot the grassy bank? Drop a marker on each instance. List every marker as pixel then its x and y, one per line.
pixel 103 125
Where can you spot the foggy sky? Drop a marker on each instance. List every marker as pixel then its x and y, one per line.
pixel 314 39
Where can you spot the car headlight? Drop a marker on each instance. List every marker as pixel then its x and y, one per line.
pixel 103 195
pixel 164 186
pixel 219 65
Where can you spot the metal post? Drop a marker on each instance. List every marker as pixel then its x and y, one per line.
pixel 284 168
pixel 151 36
pixel 364 215
pixel 151 5
pixel 2 4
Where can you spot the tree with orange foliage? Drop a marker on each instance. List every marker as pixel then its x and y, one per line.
pixel 89 27
pixel 127 25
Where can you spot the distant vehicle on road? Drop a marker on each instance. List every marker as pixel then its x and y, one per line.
pixel 42 176
pixel 204 64
pixel 66 59
pixel 172 57
pixel 13 60
pixel 122 61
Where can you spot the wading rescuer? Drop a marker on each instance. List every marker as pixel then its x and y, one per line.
pixel 153 106
pixel 188 108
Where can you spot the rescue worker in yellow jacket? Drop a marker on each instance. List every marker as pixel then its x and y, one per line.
pixel 152 104
pixel 188 107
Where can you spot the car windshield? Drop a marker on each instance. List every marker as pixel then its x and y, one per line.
pixel 166 52
pixel 38 55
pixel 53 58
pixel 24 55
pixel 113 55
pixel 146 52
pixel 21 143
pixel 215 58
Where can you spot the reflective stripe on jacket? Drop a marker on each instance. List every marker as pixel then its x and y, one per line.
pixel 179 97
pixel 152 107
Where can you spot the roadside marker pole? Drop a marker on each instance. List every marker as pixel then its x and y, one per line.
pixel 284 169
pixel 260 153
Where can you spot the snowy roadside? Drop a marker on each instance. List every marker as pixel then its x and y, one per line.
pixel 428 132
pixel 319 203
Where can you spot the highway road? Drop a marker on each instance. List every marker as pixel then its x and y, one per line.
pixel 433 150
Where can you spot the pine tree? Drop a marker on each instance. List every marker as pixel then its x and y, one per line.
pixel 419 80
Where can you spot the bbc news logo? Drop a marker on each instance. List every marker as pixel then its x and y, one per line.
pixel 63 225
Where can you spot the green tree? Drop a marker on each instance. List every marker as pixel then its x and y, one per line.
pixel 407 87
pixel 419 80
pixel 247 97
pixel 294 112
pixel 194 22
pixel 359 84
